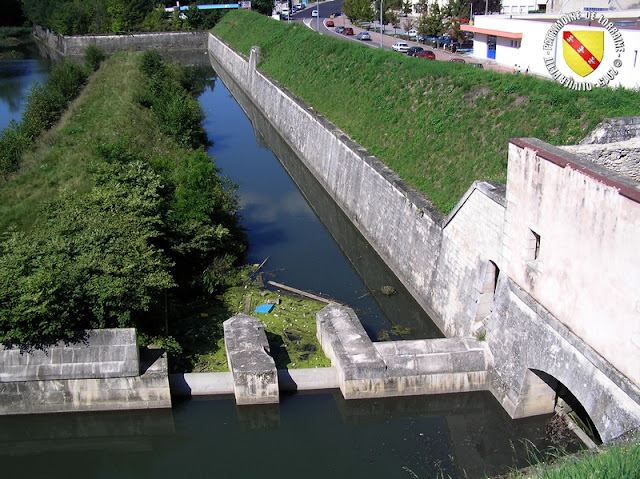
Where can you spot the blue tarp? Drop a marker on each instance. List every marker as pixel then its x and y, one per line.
pixel 264 308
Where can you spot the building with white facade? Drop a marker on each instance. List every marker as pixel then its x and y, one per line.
pixel 535 43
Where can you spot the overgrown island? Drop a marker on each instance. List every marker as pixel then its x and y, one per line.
pixel 112 214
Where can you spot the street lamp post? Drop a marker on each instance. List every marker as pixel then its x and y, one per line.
pixel 381 23
pixel 318 16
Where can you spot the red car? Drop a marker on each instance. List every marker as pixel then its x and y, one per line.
pixel 329 23
pixel 348 31
pixel 428 54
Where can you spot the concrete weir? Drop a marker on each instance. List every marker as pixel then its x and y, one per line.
pixel 399 368
pixel 361 368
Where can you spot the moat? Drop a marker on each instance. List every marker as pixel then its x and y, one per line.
pixel 308 435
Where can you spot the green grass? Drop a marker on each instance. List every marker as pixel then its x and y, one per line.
pixel 439 125
pixel 64 156
pixel 290 329
pixel 619 461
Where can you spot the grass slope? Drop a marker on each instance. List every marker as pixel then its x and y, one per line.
pixel 439 125
pixel 104 113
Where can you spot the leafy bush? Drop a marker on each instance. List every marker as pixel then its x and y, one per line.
pixel 179 113
pixel 93 56
pixel 12 144
pixel 151 63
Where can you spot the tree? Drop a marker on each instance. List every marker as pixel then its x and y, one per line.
pixel 265 7
pixel 407 24
pixel 92 264
pixel 358 10
pixel 430 24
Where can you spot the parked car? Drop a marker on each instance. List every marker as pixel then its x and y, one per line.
pixel 413 51
pixel 412 33
pixel 457 60
pixel 401 47
pixel 339 29
pixel 329 23
pixel 476 65
pixel 428 54
pixel 348 31
pixel 314 13
pixel 300 6
pixel 363 36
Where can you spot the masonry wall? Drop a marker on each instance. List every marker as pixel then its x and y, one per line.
pixel 76 45
pixel 104 371
pixel 587 268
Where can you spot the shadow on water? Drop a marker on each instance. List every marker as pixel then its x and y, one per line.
pixel 400 309
pixel 315 435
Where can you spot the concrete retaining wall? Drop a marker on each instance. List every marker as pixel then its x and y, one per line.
pixel 76 45
pixel 105 353
pixel 104 372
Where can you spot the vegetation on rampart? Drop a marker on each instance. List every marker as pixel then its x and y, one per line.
pixel 439 125
pixel 111 216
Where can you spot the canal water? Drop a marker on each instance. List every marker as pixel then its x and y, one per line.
pixel 310 245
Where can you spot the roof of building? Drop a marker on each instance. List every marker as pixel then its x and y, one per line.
pixel 488 31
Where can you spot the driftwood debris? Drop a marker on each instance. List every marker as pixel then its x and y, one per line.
pixel 300 292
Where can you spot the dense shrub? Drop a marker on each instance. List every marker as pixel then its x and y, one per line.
pixel 93 56
pixel 145 220
pixel 179 113
pixel 44 106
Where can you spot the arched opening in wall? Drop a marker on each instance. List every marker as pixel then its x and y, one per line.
pixel 487 291
pixel 571 417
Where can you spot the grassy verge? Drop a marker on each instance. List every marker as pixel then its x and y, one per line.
pixel 613 462
pixel 439 125
pixel 64 157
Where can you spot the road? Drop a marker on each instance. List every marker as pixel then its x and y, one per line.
pixel 326 9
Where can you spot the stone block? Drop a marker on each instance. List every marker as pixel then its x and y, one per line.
pixel 255 379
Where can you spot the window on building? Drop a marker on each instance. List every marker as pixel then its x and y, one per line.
pixel 533 246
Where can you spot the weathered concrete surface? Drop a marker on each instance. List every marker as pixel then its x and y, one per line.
pixel 399 368
pixel 201 384
pixel 147 390
pixel 104 353
pixel 204 384
pixel 255 379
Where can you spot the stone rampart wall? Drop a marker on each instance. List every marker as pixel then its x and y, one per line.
pixel 76 45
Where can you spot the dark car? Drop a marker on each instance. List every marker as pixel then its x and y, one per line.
pixel 457 60
pixel 329 23
pixel 339 29
pixel 348 31
pixel 413 51
pixel 428 54
pixel 476 65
